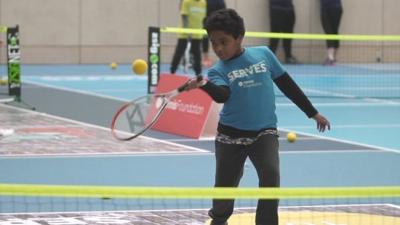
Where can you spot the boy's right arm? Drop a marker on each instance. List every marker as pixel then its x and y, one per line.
pixel 219 93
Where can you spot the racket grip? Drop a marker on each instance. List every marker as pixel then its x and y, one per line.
pixel 199 77
pixel 183 87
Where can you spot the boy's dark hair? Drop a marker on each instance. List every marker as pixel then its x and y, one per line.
pixel 226 20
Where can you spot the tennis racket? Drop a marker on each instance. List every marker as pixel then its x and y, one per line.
pixel 134 118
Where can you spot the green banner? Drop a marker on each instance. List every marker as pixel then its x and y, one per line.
pixel 14 62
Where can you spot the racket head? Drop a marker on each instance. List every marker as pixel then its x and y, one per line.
pixel 134 118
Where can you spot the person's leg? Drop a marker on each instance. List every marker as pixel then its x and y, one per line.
pixel 264 154
pixel 230 160
pixel 326 21
pixel 336 18
pixel 205 47
pixel 179 52
pixel 276 24
pixel 195 50
pixel 288 28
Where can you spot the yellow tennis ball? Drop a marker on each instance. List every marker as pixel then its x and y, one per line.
pixel 291 137
pixel 139 66
pixel 3 81
pixel 113 65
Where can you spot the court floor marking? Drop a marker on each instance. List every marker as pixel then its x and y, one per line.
pixel 180 145
pixel 354 126
pixel 330 151
pixel 109 97
pixel 347 104
pixel 342 141
pixel 197 209
pixel 88 77
pixel 319 137
pixel 347 96
pixel 75 91
pixel 101 155
pixel 105 129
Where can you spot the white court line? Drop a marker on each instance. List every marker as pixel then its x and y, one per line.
pixel 346 104
pixel 330 151
pixel 352 126
pixel 109 155
pixel 329 93
pixel 76 91
pixel 342 141
pixel 79 77
pixel 107 129
pixel 186 210
pixel 7 100
pixel 213 138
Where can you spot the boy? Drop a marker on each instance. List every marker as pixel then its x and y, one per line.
pixel 243 80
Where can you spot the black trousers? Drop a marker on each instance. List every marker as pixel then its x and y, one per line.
pixel 330 19
pixel 230 160
pixel 180 51
pixel 282 21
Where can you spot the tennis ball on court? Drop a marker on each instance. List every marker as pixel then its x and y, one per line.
pixel 113 65
pixel 139 66
pixel 3 81
pixel 291 137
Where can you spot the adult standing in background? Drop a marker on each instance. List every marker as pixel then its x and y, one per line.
pixel 193 13
pixel 331 14
pixel 282 20
pixel 212 6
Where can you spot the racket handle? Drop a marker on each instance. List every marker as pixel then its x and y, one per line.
pixel 183 87
pixel 199 77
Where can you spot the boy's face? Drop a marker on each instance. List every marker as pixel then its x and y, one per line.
pixel 225 45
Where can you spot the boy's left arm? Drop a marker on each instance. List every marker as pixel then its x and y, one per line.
pixel 291 90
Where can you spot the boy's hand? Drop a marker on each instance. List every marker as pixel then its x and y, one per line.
pixel 322 122
pixel 195 83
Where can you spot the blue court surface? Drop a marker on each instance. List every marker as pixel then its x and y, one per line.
pixel 57 144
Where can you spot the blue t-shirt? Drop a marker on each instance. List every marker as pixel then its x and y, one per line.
pixel 251 104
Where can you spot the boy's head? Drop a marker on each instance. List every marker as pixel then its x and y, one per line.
pixel 227 21
pixel 225 30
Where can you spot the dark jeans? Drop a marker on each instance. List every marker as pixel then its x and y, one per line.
pixel 330 19
pixel 180 51
pixel 282 21
pixel 230 161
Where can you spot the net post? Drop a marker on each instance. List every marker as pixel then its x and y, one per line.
pixel 14 62
pixel 153 72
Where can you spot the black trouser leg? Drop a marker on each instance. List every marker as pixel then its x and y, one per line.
pixel 330 19
pixel 195 50
pixel 264 155
pixel 179 52
pixel 276 24
pixel 288 27
pixel 230 160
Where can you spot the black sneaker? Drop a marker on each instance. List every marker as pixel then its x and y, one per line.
pixel 292 60
pixel 329 62
pixel 215 223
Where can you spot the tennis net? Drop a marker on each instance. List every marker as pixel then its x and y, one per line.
pixel 50 204
pixel 368 66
